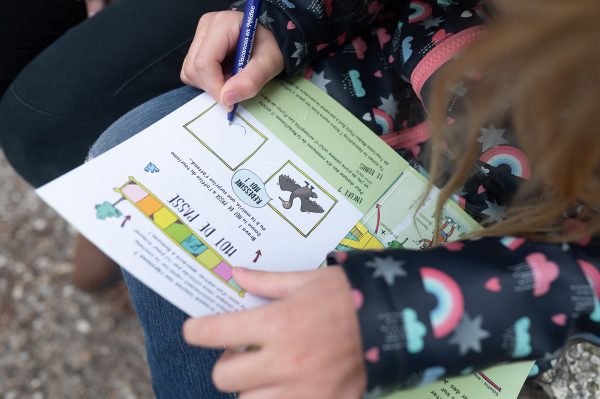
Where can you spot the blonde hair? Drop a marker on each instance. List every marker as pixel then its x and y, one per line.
pixel 539 70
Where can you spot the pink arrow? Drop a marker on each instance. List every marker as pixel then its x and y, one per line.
pixel 378 217
pixel 127 219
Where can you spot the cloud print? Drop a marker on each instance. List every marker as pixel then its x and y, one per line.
pixel 544 272
pixel 415 331
pixel 522 338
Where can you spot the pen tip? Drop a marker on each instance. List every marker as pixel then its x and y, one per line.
pixel 230 122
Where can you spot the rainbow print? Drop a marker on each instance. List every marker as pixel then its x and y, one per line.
pixel 420 11
pixel 592 274
pixel 512 157
pixel 512 243
pixel 383 120
pixel 448 313
pixel 178 232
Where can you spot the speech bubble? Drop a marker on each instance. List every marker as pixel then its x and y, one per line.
pixel 249 188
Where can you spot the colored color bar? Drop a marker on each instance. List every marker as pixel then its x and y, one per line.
pixel 178 232
pixel 224 271
pixel 209 259
pixel 134 192
pixel 164 217
pixel 193 245
pixel 149 205
pixel 234 285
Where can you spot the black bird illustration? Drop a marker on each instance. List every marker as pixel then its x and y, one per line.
pixel 286 183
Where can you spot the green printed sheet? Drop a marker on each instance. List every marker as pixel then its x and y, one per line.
pixel 399 220
pixel 502 382
pixel 329 138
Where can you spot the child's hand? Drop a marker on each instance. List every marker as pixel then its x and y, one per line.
pixel 216 38
pixel 309 340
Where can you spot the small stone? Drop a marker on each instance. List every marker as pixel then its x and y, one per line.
pixel 17 292
pixel 104 350
pixel 23 356
pixel 37 325
pixel 40 224
pixel 68 291
pixel 83 326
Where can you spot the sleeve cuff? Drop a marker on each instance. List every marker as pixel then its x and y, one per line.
pixel 444 51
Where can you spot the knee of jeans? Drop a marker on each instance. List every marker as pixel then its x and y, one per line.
pixel 104 143
pixel 39 145
pixel 140 118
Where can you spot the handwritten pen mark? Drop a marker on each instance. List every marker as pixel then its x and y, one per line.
pixel 242 127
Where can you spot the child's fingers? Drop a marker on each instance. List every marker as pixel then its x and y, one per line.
pixel 187 69
pixel 248 82
pixel 236 372
pixel 215 39
pixel 201 28
pixel 244 85
pixel 272 285
pixel 266 63
pixel 229 330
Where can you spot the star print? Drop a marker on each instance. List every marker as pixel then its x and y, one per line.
pixel 300 52
pixel 469 334
pixel 432 22
pixel 265 19
pixel 389 105
pixel 388 268
pixel 319 80
pixel 491 137
pixel 494 211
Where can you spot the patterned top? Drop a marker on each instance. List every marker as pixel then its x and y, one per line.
pixel 455 309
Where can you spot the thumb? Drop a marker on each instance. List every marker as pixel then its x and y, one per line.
pixel 274 285
pixel 245 84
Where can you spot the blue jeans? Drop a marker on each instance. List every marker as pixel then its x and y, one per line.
pixel 178 370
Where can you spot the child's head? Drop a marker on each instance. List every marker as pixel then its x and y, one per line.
pixel 537 70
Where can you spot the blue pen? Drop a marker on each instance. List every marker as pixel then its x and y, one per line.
pixel 245 42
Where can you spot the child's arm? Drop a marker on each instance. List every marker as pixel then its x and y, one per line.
pixel 470 305
pixel 297 33
pixel 308 29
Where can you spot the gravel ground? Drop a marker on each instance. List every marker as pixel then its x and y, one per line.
pixel 57 342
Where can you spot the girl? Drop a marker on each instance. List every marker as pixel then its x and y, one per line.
pixel 512 131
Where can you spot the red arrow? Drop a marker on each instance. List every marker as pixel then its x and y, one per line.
pixel 127 219
pixel 378 217
pixel 485 377
pixel 258 254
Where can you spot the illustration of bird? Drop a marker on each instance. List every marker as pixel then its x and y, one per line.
pixel 286 183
